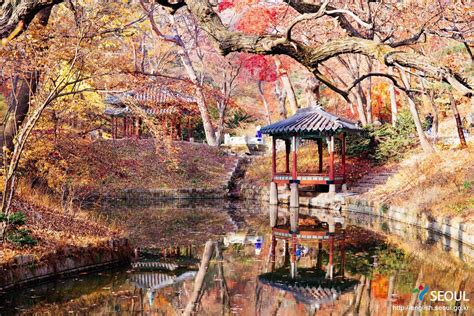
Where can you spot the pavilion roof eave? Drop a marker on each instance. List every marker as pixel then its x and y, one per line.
pixel 309 135
pixel 311 122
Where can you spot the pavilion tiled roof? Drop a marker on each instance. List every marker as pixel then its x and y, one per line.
pixel 312 120
pixel 156 100
pixel 152 94
pixel 124 111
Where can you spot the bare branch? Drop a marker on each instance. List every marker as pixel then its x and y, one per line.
pixel 379 74
pixel 156 30
pixel 331 85
pixel 307 7
pixel 307 16
pixel 351 14
pixel 412 40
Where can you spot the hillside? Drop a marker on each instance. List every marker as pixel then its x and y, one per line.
pixel 91 167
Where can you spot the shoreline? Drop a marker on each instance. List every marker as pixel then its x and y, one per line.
pixel 26 270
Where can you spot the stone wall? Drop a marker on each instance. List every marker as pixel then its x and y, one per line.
pixel 254 192
pixel 165 194
pixel 26 269
pixel 454 227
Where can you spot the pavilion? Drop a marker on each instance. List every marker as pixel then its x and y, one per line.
pixel 176 110
pixel 312 123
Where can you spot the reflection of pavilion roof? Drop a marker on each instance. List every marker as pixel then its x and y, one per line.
pixel 307 294
pixel 155 265
pixel 313 120
pixel 158 280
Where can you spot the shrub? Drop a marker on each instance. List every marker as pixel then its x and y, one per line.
pixel 21 237
pixel 15 234
pixel 385 142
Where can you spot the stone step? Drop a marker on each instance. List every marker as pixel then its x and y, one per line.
pixel 387 174
pixel 357 188
pixel 378 177
pixel 358 192
pixel 374 182
pixel 365 185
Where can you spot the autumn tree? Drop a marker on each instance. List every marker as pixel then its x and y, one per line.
pixel 376 30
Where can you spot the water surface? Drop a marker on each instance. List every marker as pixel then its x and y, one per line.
pixel 385 262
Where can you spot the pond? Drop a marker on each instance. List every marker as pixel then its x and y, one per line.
pixel 378 267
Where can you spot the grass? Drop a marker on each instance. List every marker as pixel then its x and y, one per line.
pixel 89 167
pixel 51 228
pixel 441 183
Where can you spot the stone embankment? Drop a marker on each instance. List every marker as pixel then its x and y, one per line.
pixel 27 269
pixel 452 227
pixel 455 228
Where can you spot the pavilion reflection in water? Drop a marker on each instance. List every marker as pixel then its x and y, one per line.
pixel 300 245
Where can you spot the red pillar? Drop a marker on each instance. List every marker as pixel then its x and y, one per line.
pixel 331 158
pixel 172 130
pixel 189 128
pixel 137 128
pixel 287 161
pixel 113 127
pixel 320 153
pixel 116 127
pixel 343 147
pixel 131 131
pixel 343 253
pixel 272 253
pixel 124 127
pixel 294 171
pixel 273 156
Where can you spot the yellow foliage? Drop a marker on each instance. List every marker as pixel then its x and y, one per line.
pixel 440 183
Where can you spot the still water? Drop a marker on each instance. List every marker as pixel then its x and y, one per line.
pixel 332 266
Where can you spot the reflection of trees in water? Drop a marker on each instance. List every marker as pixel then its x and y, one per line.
pixel 381 275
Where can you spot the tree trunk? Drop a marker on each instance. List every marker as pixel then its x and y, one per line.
pixel 199 280
pixel 285 80
pixel 224 290
pixel 19 105
pixel 416 117
pixel 11 164
pixel 391 290
pixel 435 127
pixel 435 116
pixel 360 108
pixel 359 292
pixel 457 117
pixel 19 99
pixel 200 97
pixel 414 296
pixel 221 107
pixel 265 102
pixel 393 99
pixel 368 103
pixel 281 94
